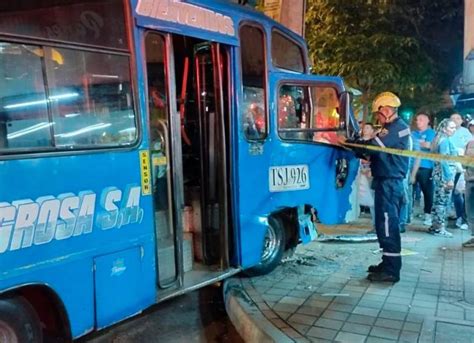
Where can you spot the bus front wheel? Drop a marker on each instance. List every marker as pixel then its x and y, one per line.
pixel 273 248
pixel 18 321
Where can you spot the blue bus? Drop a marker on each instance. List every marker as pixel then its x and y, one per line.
pixel 152 147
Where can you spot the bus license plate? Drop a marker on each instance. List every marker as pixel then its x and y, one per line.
pixel 288 178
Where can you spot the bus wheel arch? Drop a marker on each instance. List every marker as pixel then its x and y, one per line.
pixel 273 248
pixel 47 307
pixel 285 225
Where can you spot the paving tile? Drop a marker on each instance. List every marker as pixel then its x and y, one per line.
pixel 361 319
pixel 427 291
pixel 302 319
pixel 283 315
pixel 285 286
pixel 346 300
pixel 310 310
pixel 373 297
pixel 401 294
pixel 316 303
pixel 271 298
pixel 377 291
pixel 348 337
pixel 409 326
pixel 397 300
pixel 319 340
pixel 301 328
pixel 341 307
pixel 385 333
pixel 422 310
pixel 329 314
pixel 356 328
pixel 371 304
pixel 415 318
pixel 426 304
pixel 409 337
pixel 279 323
pixel 389 323
pixel 470 315
pixel 425 297
pixel 395 307
pixel 292 333
pixel 285 307
pixel 292 300
pixel 451 314
pixel 329 323
pixel 392 315
pixel 323 333
pixel 449 307
pixel 269 314
pixel 277 291
pixel 299 294
pixel 378 340
pixel 366 311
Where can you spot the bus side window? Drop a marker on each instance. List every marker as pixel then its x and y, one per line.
pixel 24 122
pixel 286 54
pixel 254 106
pixel 94 106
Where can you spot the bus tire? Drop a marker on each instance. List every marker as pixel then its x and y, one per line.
pixel 273 248
pixel 19 322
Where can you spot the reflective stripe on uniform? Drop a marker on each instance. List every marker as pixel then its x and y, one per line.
pixel 387 233
pixel 391 254
pixel 379 142
pixel 404 133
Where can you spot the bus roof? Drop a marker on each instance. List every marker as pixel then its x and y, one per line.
pixel 214 20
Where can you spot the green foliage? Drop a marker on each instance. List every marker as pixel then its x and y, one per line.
pixel 405 47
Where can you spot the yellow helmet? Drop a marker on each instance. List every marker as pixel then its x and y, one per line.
pixel 385 99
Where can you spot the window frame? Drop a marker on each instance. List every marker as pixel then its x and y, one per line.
pixel 36 152
pixel 265 78
pixel 305 83
pixel 303 51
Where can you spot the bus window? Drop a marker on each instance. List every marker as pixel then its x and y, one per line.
pixel 94 106
pixel 88 101
pixel 252 50
pixel 309 113
pixel 24 119
pixel 286 54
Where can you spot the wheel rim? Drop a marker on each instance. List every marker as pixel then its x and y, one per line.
pixel 7 334
pixel 271 244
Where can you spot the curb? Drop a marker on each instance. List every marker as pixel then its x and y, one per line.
pixel 247 318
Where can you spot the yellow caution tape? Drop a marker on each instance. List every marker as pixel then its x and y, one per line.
pixel 467 161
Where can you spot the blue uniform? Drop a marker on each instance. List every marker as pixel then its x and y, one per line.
pixel 388 172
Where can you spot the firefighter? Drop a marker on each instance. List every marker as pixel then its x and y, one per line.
pixel 388 173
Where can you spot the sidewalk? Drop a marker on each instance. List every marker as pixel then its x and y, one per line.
pixel 321 294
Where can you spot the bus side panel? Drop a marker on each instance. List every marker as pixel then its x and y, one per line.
pixel 58 213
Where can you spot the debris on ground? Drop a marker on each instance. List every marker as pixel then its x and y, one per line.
pixel 348 238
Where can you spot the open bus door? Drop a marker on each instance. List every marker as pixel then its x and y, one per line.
pixel 188 86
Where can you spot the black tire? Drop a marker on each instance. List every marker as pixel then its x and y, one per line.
pixel 19 322
pixel 272 252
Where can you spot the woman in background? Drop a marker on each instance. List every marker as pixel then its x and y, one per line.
pixel 443 177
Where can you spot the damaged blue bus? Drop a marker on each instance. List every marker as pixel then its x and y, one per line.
pixel 151 147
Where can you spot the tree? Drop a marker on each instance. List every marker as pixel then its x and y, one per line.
pixel 384 45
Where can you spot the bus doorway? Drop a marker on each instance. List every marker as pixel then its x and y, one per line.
pixel 189 121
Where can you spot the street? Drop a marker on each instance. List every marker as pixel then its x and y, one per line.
pixel 198 316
